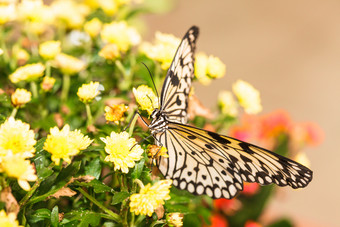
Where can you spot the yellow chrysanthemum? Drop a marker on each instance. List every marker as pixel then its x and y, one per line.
pixel 122 150
pixel 20 54
pixel 109 51
pixel 121 34
pixel 146 98
pixel 47 83
pixel 150 197
pixel 175 219
pixel 20 97
pixel 7 13
pixel 215 67
pixel 227 103
pixel 155 151
pixel 68 64
pixel 8 220
pixel 163 50
pixel 35 11
pixel 16 136
pixel 110 7
pixel 201 65
pixel 49 49
pixel 17 167
pixel 115 113
pixel 63 144
pixel 28 72
pixel 93 27
pixel 71 13
pixel 87 92
pixel 207 67
pixel 248 97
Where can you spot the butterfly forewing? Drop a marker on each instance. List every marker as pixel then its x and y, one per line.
pixel 204 162
pixel 177 83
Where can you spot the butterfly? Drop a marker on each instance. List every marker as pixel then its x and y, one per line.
pixel 204 162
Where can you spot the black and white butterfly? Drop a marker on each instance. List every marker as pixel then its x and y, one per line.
pixel 204 162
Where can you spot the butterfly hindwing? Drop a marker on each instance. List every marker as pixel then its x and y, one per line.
pixel 216 155
pixel 177 83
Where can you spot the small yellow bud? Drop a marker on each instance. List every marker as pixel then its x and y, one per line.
pixel 20 97
pixel 47 83
pixel 93 27
pixel 109 52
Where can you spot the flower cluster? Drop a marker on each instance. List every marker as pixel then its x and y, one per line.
pixel 16 145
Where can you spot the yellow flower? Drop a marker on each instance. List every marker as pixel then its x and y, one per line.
pixel 115 113
pixel 155 151
pixel 248 97
pixel 122 150
pixel 17 167
pixel 63 144
pixel 109 51
pixel 150 197
pixel 47 83
pixel 110 7
pixel 20 97
pixel 16 136
pixel 20 54
pixel 7 13
pixel 175 219
pixel 146 99
pixel 227 103
pixel 201 65
pixel 68 64
pixel 71 13
pixel 215 67
pixel 28 72
pixel 87 92
pixel 93 27
pixel 120 34
pixel 163 50
pixel 35 11
pixel 49 49
pixel 8 220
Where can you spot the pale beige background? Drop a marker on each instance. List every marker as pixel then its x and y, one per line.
pixel 290 51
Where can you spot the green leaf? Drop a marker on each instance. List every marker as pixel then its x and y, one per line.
pixel 282 223
pixel 98 186
pixel 137 171
pixel 55 217
pixel 90 218
pixel 94 168
pixel 83 218
pixel 119 197
pixel 40 215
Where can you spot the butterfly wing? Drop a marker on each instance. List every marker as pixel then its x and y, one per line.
pixel 177 83
pixel 204 162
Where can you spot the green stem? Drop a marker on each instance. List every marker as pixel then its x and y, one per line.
pixel 14 112
pixel 89 115
pixel 157 222
pixel 139 182
pixel 132 125
pixel 30 193
pixel 48 68
pixel 114 216
pixel 66 87
pixel 34 89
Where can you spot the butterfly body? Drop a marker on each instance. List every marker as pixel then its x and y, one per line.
pixel 204 162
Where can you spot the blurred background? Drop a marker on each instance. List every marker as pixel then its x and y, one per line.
pixel 290 52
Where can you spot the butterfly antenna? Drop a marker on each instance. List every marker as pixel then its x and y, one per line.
pixel 153 82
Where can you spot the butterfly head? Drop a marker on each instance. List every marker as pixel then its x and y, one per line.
pixel 156 113
pixel 158 123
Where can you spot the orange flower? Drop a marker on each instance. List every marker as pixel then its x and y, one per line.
pixel 218 221
pixel 228 206
pixel 250 189
pixel 307 133
pixel 274 123
pixel 250 223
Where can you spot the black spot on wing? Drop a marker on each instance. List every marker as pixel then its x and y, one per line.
pixel 174 79
pixel 219 138
pixel 178 101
